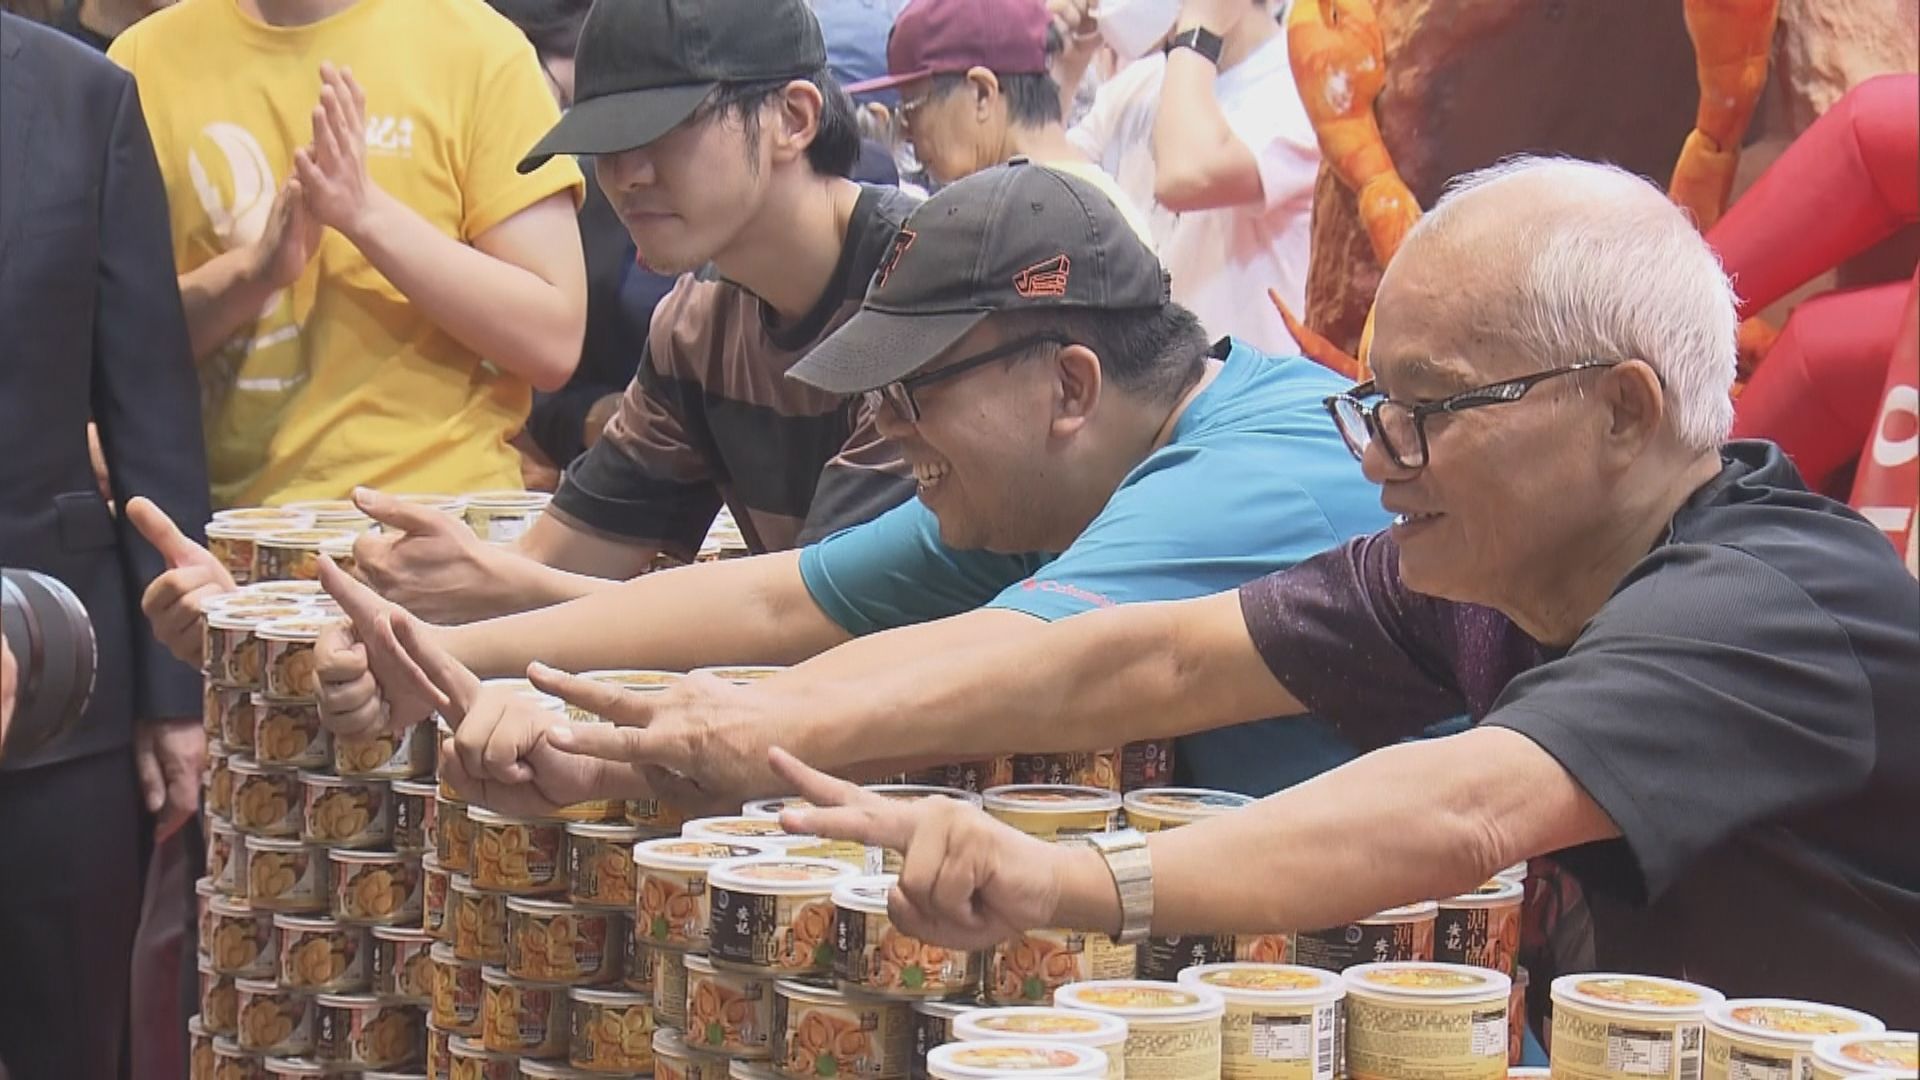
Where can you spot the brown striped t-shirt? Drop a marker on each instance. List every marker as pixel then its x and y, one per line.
pixel 712 417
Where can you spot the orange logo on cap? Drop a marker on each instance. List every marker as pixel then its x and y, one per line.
pixel 901 242
pixel 1044 279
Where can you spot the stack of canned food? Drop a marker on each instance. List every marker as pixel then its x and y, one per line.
pixel 312 960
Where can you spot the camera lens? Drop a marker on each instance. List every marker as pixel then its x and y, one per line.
pixel 52 642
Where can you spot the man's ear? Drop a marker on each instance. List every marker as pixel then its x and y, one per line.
pixel 800 107
pixel 1077 382
pixel 984 86
pixel 1636 405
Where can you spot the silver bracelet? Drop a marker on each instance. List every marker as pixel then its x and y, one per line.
pixel 1131 864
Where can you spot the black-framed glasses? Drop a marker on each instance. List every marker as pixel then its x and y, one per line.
pixel 898 394
pixel 1402 428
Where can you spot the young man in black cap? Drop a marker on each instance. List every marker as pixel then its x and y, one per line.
pixel 1076 445
pixel 723 145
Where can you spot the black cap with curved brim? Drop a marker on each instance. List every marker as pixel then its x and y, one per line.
pixel 1017 237
pixel 644 66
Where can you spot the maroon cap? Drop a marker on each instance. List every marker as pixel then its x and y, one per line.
pixel 1007 37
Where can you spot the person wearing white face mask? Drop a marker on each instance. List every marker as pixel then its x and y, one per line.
pixel 1206 132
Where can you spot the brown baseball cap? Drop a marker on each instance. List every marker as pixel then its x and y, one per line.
pixel 1017 237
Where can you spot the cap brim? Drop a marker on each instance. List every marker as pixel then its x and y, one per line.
pixel 884 82
pixel 876 347
pixel 614 122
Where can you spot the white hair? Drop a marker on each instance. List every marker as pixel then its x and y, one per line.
pixel 1613 270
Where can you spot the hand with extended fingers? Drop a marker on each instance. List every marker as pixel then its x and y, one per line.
pixel 333 170
pixel 500 755
pixel 968 881
pixel 174 601
pixel 700 743
pixel 367 680
pixel 422 559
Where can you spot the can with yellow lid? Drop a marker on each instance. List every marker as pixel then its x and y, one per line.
pixel 1769 1038
pixel 1622 1027
pixel 1102 1031
pixel 1173 1031
pixel 1282 1021
pixel 1050 811
pixel 1426 1021
pixel 1157 809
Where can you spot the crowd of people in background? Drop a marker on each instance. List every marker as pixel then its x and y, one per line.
pixel 962 308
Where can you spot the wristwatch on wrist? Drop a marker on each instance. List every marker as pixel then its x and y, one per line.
pixel 1200 40
pixel 1131 865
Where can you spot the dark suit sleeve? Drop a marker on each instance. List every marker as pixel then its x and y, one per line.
pixel 146 396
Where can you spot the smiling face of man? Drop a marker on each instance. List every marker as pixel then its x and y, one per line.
pixel 1508 488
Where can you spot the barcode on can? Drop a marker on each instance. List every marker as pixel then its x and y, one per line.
pixel 1689 1037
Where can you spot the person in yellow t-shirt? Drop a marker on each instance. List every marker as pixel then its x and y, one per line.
pixel 371 288
pixel 975 93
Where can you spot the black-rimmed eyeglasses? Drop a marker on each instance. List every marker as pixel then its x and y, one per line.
pixel 898 394
pixel 1363 414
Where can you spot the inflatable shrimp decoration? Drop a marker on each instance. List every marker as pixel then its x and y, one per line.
pixel 1338 56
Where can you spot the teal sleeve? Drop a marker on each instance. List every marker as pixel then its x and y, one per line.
pixel 1196 520
pixel 894 571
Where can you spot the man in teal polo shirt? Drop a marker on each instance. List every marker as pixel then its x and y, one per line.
pixel 1027 360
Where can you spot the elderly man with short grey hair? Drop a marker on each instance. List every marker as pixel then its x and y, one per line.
pixel 1694 680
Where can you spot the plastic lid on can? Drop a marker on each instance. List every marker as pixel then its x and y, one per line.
pixel 738 827
pixel 1894 1051
pixel 866 894
pixel 480 815
pixel 300 1066
pixel 1143 1000
pixel 507 499
pixel 259 986
pixel 621 834
pixel 1422 980
pixel 529 905
pixel 800 990
pixel 424 789
pixel 1425 909
pixel 1183 804
pixel 552 1070
pixel 442 953
pixel 945 1010
pixel 1516 872
pixel 303 628
pixel 769 809
pixel 739 674
pixel 681 853
pixel 916 792
pixel 1025 1057
pixel 1049 798
pixel 290 591
pixel 635 678
pixel 347 1001
pixel 600 996
pixel 236 616
pixel 1495 893
pixel 300 539
pixel 1783 1020
pixel 274 843
pixel 1263 984
pixel 1039 1022
pixel 1646 995
pixel 307 922
pixel 262 513
pixel 779 875
pixel 401 933
pixel 750 1070
pixel 364 857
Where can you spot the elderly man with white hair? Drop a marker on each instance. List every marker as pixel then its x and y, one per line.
pixel 1695 683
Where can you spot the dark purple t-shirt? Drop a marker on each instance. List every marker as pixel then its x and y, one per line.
pixel 1745 707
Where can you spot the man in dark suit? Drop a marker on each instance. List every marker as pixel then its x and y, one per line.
pixel 90 328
